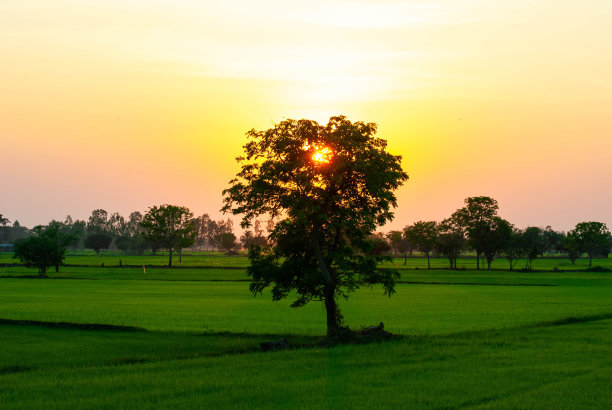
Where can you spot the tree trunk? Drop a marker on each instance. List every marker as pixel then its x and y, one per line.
pixel 332 311
pixel 477 260
pixel 428 265
pixel 331 308
pixel 42 272
pixel 405 257
pixel 180 253
pixel 170 257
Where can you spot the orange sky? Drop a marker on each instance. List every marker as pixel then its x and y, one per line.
pixel 124 105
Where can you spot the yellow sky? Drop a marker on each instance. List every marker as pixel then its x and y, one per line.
pixel 124 105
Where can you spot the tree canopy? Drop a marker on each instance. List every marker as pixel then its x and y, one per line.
pixel 424 235
pixel 330 186
pixel 45 248
pixel 478 219
pixel 170 225
pixel 593 238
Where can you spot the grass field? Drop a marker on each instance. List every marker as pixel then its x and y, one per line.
pixel 465 339
pixel 212 260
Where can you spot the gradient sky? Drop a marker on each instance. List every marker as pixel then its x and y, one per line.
pixel 125 105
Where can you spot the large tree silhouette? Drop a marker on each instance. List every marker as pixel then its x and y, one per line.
pixel 330 186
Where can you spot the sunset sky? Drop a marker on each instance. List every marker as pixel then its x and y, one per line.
pixel 125 105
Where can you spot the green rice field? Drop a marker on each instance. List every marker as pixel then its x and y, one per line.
pixel 155 337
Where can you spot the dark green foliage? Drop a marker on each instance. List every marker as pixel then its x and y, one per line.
pixel 552 240
pixel 98 241
pixel 171 226
pixel 424 236
pixel 379 245
pixel 495 237
pixel 478 219
pixel 122 243
pixel 98 222
pixel 328 209
pixel 45 248
pixel 451 238
pixel 570 245
pixel 592 238
pixel 513 248
pixel 533 244
pixel 249 239
pixel 226 241
pixel 399 244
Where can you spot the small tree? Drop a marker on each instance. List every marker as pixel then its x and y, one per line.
pixel 226 241
pixel 330 186
pixel 45 248
pixel 497 235
pixel 533 244
pixel 399 244
pixel 98 241
pixel 380 245
pixel 98 222
pixel 552 240
pixel 170 225
pixel 424 236
pixel 123 243
pixel 477 218
pixel 571 246
pixel 593 238
pixel 249 239
pixel 451 239
pixel 513 248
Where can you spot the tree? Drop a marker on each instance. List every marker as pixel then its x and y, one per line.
pixel 122 243
pixel 571 246
pixel 45 248
pixel 4 231
pixel 593 238
pixel 424 236
pixel 380 245
pixel 513 247
pixel 98 222
pixel 117 225
pixel 63 235
pixel 477 219
pixel 207 230
pixel 98 241
pixel 399 243
pixel 495 237
pixel 254 237
pixel 133 224
pixel 451 239
pixel 75 229
pixel 170 225
pixel 329 187
pixel 552 240
pixel 226 241
pixel 533 244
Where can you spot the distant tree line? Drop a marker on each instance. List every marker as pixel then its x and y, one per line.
pixel 168 227
pixel 478 228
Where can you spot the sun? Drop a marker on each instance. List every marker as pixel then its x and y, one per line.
pixel 322 155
